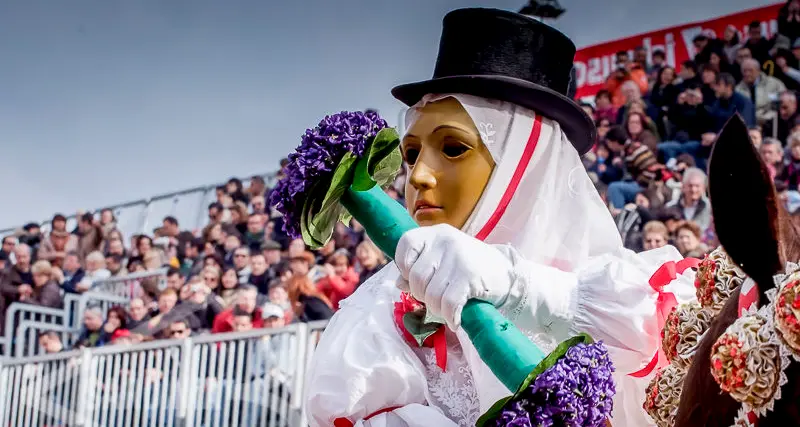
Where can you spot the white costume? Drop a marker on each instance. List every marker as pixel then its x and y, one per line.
pixel 572 275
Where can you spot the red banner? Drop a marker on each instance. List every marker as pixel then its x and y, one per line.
pixel 594 63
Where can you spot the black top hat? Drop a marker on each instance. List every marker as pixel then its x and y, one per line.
pixel 510 57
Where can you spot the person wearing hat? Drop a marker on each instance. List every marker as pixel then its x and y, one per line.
pixel 509 216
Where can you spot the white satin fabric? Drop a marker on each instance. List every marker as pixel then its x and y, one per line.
pixel 560 236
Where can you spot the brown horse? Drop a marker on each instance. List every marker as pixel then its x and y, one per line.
pixel 760 238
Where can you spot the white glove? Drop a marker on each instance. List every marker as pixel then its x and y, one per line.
pixel 444 268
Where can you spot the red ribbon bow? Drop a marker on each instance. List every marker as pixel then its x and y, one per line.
pixel 664 304
pixel 437 341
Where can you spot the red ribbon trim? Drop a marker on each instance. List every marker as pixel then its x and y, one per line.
pixel 666 301
pixel 344 422
pixel 519 172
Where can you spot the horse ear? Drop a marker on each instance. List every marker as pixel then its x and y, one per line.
pixel 744 204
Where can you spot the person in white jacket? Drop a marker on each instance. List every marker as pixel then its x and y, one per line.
pixel 509 216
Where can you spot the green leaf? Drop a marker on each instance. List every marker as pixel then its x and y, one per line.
pixel 544 365
pixel 418 328
pixel 381 157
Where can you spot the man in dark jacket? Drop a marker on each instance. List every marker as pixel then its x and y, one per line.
pixel 728 103
pixel 15 281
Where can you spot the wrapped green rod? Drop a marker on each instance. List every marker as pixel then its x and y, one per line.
pixel 505 349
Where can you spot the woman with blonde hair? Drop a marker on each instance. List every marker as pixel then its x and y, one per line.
pixel 308 302
pixel 46 291
pixel 655 235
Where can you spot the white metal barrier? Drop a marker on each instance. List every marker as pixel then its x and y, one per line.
pixel 130 285
pixel 69 318
pixel 252 378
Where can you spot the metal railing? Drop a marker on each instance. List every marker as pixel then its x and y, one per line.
pixel 252 378
pixel 188 206
pixel 68 319
pixel 130 285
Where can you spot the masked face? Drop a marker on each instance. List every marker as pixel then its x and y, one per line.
pixel 448 165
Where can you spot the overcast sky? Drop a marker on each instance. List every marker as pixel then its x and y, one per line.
pixel 105 101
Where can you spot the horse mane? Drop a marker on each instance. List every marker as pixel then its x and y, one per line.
pixel 759 236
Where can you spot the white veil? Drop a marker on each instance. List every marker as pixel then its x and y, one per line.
pixel 539 198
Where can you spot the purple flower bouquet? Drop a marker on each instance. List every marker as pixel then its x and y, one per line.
pixel 338 171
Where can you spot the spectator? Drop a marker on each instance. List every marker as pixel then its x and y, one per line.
pixel 728 103
pixel 756 43
pixel 689 76
pixel 340 279
pixel 655 235
pixel 791 173
pixel 4 260
pixel 193 257
pixel 167 300
pixel 641 129
pixel 170 228
pixel 74 274
pixel 235 190
pixel 255 235
pixel 692 205
pixel 640 163
pixel 179 330
pixel 245 302
pixel 308 303
pixel 259 205
pixel 787 116
pixel 215 213
pixel 241 261
pixel 230 285
pixel 731 43
pixel 257 187
pixel 239 217
pixel 50 342
pixel 137 314
pixel 274 316
pixel 175 279
pixel 370 260
pixel 92 328
pixel 45 289
pixel 760 89
pixel 9 243
pixel 305 265
pixel 116 320
pixel 95 269
pixel 114 265
pixel 17 281
pixel 689 116
pixel 55 247
pixel 604 109
pixel 626 71
pixel 688 240
pixel 772 154
pixel 90 236
pixel 280 297
pixel 260 275
pixel 755 137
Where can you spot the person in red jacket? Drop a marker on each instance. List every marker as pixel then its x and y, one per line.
pixel 246 301
pixel 340 279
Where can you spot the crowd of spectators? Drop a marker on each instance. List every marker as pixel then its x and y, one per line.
pixel 239 272
pixel 657 125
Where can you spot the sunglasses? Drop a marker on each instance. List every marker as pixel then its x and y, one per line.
pixel 174 332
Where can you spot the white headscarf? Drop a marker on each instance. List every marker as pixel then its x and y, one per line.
pixel 539 198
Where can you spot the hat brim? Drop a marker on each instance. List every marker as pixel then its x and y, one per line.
pixel 577 125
